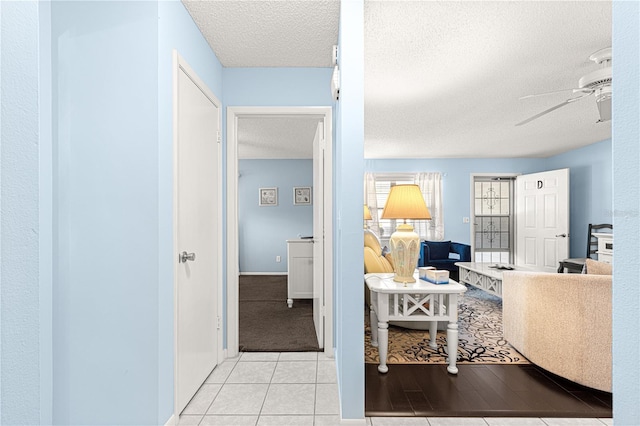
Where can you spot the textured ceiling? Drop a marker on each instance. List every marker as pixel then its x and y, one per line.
pixel 276 137
pixel 442 79
pixel 269 33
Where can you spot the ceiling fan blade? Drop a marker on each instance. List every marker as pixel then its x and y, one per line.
pixel 556 91
pixel 553 108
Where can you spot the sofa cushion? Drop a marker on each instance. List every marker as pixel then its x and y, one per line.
pixel 438 250
pixel 598 268
pixel 373 262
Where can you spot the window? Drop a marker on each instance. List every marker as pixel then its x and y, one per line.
pixel 377 188
pixel 386 227
pixel 493 219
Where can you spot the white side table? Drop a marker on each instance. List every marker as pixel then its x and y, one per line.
pixel 419 301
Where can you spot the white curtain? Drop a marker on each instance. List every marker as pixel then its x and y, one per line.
pixel 431 186
pixel 371 200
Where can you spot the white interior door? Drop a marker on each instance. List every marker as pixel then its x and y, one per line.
pixel 318 233
pixel 542 219
pixel 196 220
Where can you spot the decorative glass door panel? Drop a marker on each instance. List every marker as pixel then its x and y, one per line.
pixel 493 220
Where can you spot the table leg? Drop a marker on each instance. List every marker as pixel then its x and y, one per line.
pixel 452 346
pixel 373 321
pixel 433 332
pixel 383 342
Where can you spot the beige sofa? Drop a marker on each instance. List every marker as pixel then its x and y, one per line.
pixel 562 323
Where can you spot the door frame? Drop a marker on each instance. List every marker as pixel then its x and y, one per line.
pixel 233 256
pixel 179 63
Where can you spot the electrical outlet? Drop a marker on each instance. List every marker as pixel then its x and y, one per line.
pixel 277 258
pixel 465 220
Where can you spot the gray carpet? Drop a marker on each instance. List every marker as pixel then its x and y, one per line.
pixel 267 324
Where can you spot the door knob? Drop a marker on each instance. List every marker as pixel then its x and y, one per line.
pixel 562 235
pixel 184 256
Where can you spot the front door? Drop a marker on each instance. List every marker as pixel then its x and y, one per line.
pixel 197 260
pixel 542 219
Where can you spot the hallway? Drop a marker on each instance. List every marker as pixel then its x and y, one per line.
pixel 268 388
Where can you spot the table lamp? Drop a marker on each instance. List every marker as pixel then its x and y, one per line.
pixel 367 215
pixel 405 202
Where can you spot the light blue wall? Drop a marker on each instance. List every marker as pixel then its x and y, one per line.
pixel 591 189
pixel 20 325
pixel 277 86
pixel 270 87
pixel 105 335
pixel 263 231
pixel 18 368
pixel 348 256
pixel 456 183
pixel 176 30
pixel 590 185
pixel 626 218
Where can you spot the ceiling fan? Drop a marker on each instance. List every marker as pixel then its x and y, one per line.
pixel 596 82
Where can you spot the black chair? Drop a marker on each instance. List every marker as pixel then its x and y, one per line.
pixel 577 264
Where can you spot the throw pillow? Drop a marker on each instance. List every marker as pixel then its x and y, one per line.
pixel 438 250
pixel 598 268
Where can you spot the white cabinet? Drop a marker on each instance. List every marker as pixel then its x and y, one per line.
pixel 605 246
pixel 300 274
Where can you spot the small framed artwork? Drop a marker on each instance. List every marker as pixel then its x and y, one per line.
pixel 268 196
pixel 302 195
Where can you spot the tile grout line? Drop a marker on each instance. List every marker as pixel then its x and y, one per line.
pixel 219 390
pixel 315 391
pixel 268 387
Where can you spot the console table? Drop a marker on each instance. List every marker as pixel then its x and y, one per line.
pixel 483 276
pixel 419 301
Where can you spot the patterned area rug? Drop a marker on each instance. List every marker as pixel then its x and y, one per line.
pixel 479 333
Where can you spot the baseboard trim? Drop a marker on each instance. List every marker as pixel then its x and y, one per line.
pixel 359 422
pixel 171 421
pixel 263 273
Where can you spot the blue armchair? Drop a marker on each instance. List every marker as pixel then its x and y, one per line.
pixel 444 255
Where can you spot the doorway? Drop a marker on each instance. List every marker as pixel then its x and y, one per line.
pixel 323 228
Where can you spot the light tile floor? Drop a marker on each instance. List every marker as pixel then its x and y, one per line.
pixel 300 389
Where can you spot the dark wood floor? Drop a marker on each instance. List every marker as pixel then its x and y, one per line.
pixel 479 391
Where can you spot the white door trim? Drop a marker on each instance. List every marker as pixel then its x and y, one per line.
pixel 232 319
pixel 178 64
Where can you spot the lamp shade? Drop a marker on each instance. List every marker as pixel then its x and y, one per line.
pixel 405 202
pixel 367 213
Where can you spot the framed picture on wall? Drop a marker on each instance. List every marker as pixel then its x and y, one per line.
pixel 268 196
pixel 301 195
